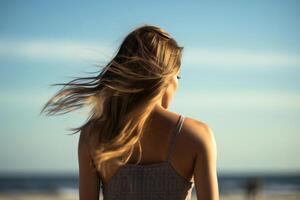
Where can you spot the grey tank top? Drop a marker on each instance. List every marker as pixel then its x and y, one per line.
pixel 157 181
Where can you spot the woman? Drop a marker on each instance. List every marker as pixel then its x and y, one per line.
pixel 132 146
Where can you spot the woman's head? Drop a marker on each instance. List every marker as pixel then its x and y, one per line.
pixel 149 60
pixel 123 95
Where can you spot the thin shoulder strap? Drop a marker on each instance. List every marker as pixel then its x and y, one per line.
pixel 175 133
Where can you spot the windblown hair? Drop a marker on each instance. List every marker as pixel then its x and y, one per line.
pixel 124 93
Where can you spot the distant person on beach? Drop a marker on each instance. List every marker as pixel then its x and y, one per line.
pixel 132 147
pixel 253 187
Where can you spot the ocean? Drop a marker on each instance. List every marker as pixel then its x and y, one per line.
pixel 228 184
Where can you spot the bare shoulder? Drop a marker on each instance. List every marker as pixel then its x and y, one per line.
pixel 200 136
pixel 85 131
pixel 85 135
pixel 202 142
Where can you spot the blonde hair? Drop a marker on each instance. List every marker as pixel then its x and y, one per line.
pixel 124 93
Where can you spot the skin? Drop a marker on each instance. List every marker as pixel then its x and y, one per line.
pixel 194 156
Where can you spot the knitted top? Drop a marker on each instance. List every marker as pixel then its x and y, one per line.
pixel 157 181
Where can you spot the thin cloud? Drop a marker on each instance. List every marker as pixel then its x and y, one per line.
pixel 239 99
pixel 239 59
pixel 193 58
pixel 254 100
pixel 53 50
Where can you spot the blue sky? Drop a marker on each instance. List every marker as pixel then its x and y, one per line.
pixel 240 75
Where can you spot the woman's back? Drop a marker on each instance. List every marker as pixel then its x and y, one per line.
pixel 178 153
pixel 158 180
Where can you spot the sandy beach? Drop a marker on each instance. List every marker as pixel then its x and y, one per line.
pixel 66 197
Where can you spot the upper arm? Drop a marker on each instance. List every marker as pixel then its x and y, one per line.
pixel 205 170
pixel 89 180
